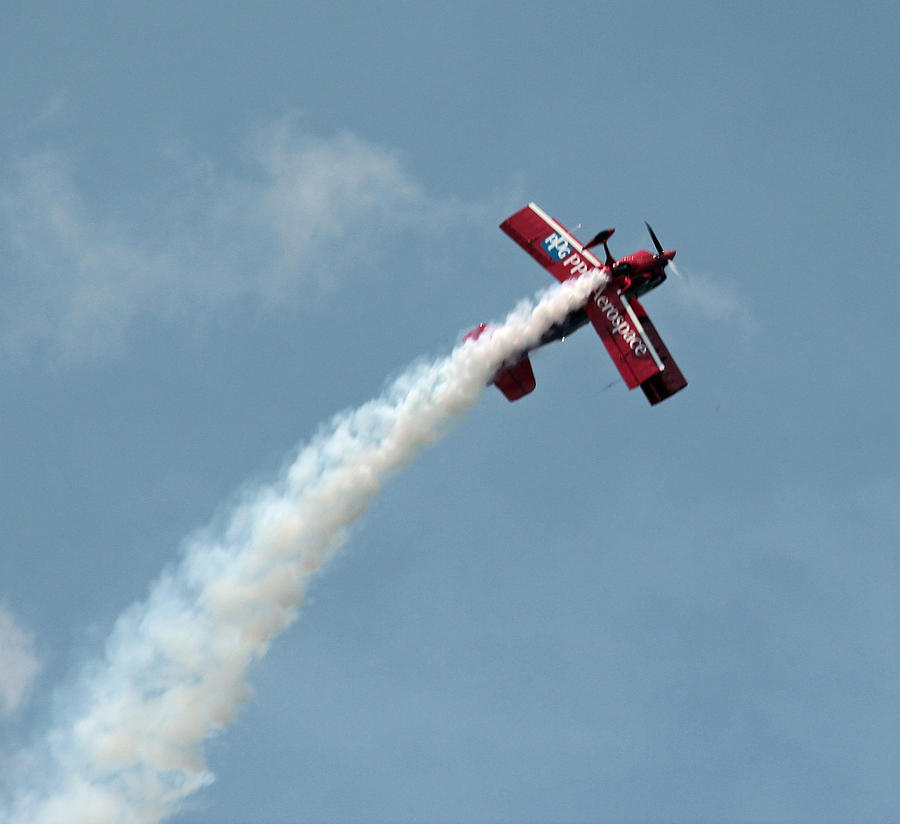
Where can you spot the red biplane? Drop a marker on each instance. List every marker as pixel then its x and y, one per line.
pixel 614 310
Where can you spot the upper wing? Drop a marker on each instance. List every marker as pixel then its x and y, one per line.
pixel 549 243
pixel 634 345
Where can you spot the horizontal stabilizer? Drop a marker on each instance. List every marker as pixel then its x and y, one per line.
pixel 516 381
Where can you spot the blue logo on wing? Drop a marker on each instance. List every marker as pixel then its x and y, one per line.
pixel 557 246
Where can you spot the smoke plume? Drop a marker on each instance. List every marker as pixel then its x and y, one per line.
pixel 130 747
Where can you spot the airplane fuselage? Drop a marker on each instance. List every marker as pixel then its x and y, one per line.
pixel 640 272
pixel 633 275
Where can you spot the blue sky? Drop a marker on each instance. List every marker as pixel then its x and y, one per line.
pixel 221 224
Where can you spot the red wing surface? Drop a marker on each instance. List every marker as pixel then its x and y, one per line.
pixel 623 337
pixel 668 381
pixel 517 380
pixel 549 243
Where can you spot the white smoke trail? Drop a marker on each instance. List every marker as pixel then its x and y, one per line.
pixel 176 665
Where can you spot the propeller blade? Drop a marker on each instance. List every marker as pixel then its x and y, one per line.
pixel 656 242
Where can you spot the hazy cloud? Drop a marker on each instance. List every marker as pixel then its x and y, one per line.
pixel 715 298
pixel 53 109
pixel 18 662
pixel 76 279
